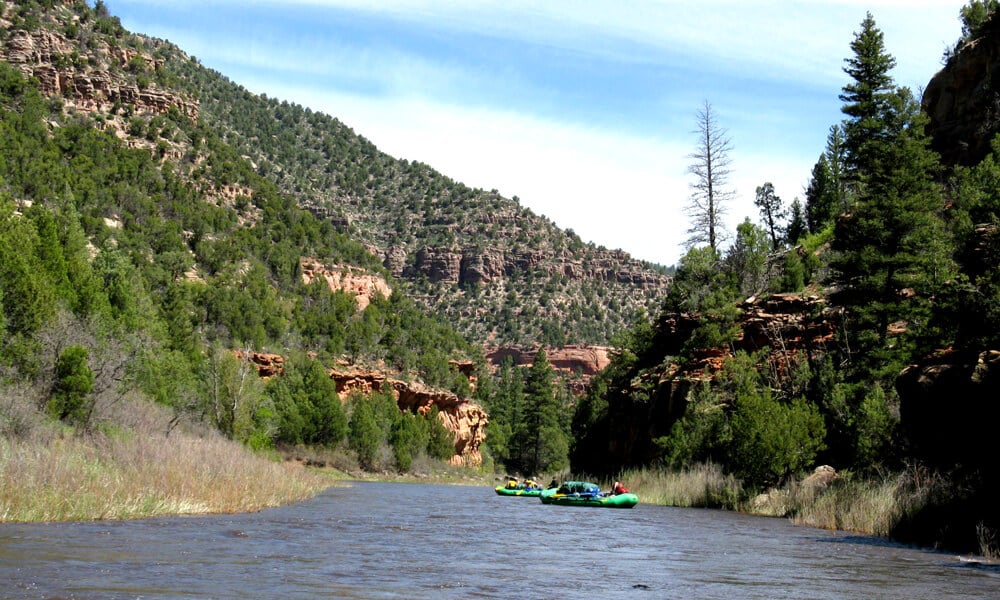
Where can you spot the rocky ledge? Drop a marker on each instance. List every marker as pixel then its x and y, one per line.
pixel 91 85
pixel 465 419
pixel 352 280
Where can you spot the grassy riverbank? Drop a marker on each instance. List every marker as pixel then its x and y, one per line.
pixel 892 505
pixel 56 474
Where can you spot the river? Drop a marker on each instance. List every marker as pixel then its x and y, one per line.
pixel 395 540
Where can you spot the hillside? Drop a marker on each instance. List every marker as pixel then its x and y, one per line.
pixel 499 272
pixel 139 249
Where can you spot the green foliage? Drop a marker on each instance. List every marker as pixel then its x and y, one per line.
pixel 892 254
pixel 239 406
pixel 699 434
pixel 772 440
pixel 29 296
pixel 405 439
pixel 827 194
pixel 975 16
pixel 772 213
pixel 306 404
pixel 364 434
pixel 440 441
pixel 867 100
pixel 505 405
pixel 748 259
pixel 71 399
pixel 797 226
pixel 793 273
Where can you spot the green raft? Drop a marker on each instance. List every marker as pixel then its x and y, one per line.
pixel 517 491
pixel 583 493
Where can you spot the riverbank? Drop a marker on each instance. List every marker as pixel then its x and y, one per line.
pixel 54 473
pixel 893 505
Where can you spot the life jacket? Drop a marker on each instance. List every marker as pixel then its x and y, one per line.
pixel 620 489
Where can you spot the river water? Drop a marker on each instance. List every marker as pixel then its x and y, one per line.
pixel 386 540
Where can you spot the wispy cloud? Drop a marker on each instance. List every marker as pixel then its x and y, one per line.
pixel 584 110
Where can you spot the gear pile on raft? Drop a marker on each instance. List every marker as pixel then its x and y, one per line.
pixel 572 493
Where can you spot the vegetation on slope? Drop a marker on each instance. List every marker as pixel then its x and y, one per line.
pixel 546 285
pixel 902 249
pixel 138 250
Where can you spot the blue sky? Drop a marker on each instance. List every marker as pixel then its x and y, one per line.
pixel 583 110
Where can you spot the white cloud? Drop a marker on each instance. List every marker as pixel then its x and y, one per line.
pixel 617 188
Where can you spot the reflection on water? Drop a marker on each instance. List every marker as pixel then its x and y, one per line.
pixel 383 540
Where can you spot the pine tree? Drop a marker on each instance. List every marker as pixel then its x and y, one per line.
pixel 892 251
pixel 867 101
pixel 365 436
pixel 542 440
pixel 71 399
pixel 771 212
pixel 796 223
pixel 827 193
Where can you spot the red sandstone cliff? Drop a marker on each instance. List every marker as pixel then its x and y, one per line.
pixel 363 286
pixel 465 419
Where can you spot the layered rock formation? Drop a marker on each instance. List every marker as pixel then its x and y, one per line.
pixel 476 265
pixel 793 328
pixel 356 282
pixel 585 360
pixel 93 84
pixel 465 419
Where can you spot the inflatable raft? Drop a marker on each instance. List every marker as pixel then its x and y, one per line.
pixel 583 493
pixel 517 491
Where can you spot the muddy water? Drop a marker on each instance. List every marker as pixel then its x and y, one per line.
pixel 382 540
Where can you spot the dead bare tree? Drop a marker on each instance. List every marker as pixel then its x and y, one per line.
pixel 709 192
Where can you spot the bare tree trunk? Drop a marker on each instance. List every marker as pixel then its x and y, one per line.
pixel 711 170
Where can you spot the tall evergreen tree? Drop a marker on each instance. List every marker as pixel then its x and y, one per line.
pixel 542 440
pixel 891 252
pixel 827 193
pixel 867 101
pixel 796 222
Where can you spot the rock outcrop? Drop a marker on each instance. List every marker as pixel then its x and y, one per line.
pixel 465 419
pixel 352 280
pixel 963 101
pixel 791 327
pixel 91 85
pixel 475 265
pixel 585 360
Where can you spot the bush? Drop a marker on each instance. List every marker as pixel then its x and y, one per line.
pixel 71 401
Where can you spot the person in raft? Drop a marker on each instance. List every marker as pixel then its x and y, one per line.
pixel 618 488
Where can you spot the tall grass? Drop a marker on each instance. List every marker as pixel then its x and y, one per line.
pixel 888 505
pixel 865 505
pixel 128 473
pixel 702 486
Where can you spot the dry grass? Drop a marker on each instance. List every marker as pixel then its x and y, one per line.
pixel 140 471
pixel 702 485
pixel 863 506
pixel 873 506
